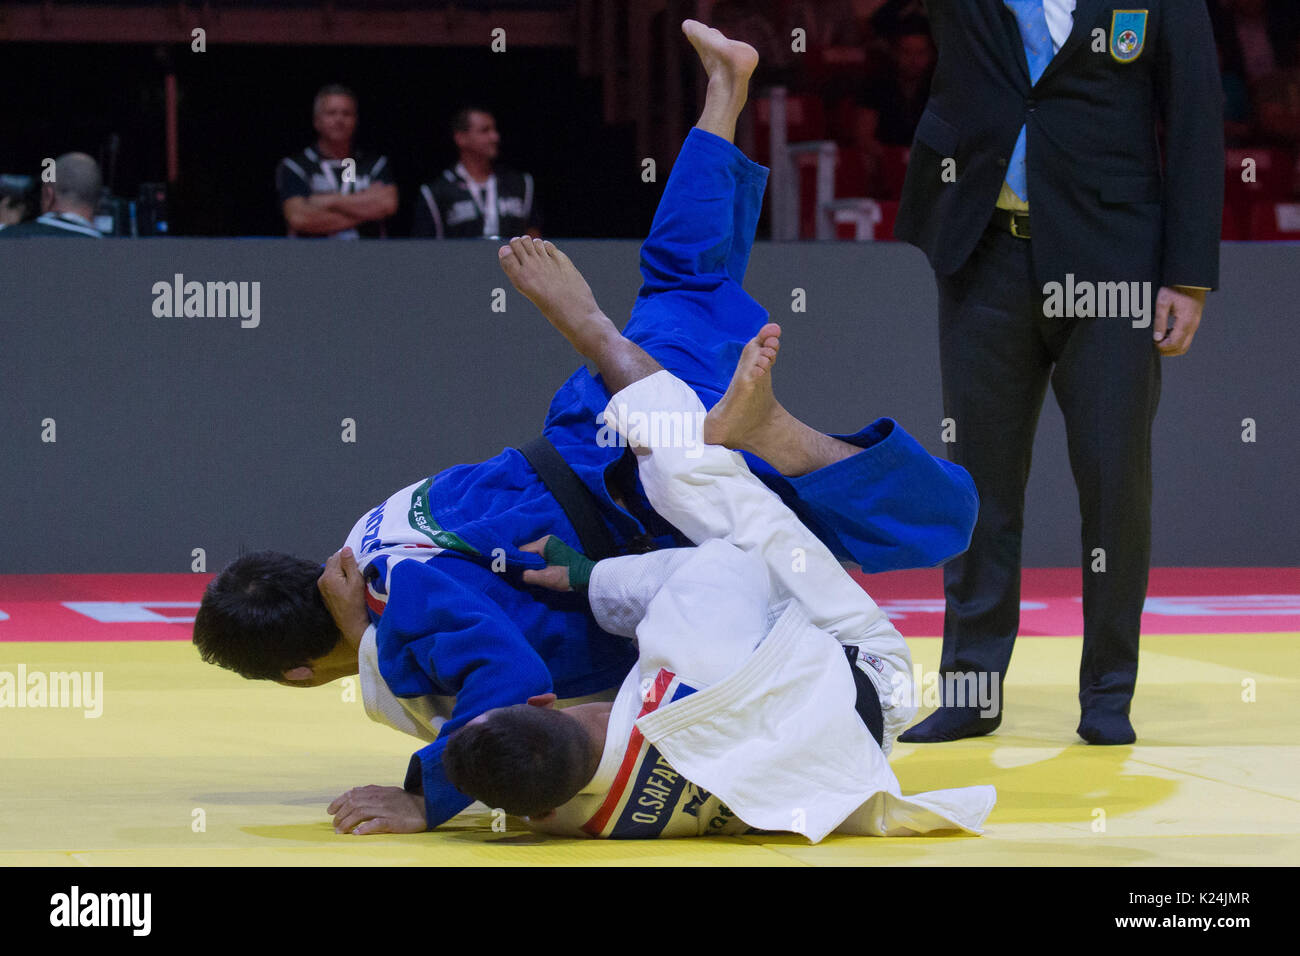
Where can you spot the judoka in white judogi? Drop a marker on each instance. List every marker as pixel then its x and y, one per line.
pixel 740 713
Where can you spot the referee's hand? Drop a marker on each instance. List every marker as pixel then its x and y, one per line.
pixel 1178 314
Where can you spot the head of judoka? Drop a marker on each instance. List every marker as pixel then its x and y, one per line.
pixel 528 759
pixel 264 618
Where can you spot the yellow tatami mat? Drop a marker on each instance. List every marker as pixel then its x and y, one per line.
pixel 190 765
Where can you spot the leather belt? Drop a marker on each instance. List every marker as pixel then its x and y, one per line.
pixel 1016 223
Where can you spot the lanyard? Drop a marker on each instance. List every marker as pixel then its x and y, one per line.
pixel 488 210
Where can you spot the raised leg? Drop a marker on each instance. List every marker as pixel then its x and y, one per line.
pixel 729 64
pixel 692 313
pixel 553 283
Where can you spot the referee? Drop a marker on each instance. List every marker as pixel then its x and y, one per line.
pixel 1038 162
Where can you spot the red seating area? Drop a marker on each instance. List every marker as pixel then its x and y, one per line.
pixel 1275 221
pixel 1261 194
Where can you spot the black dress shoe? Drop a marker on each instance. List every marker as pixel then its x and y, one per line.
pixel 950 723
pixel 1106 727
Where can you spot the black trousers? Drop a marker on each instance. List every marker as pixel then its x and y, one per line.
pixel 997 352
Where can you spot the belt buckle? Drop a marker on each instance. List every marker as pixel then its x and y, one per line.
pixel 1015 227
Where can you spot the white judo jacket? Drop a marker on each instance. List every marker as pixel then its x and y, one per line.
pixel 740 713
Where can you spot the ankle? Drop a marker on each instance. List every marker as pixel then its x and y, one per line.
pixel 776 442
pixel 599 337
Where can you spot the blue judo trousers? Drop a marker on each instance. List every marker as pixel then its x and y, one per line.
pixel 453 626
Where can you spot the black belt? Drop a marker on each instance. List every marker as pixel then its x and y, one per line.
pixel 1016 223
pixel 578 503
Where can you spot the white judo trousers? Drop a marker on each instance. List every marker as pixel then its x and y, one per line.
pixel 778 738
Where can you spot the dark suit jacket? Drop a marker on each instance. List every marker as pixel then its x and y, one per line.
pixel 1100 207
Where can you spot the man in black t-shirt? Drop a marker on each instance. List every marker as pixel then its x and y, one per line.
pixel 331 189
pixel 477 197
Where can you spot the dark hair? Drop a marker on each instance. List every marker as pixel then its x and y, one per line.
pixel 21 191
pixel 524 760
pixel 460 121
pixel 264 615
pixel 331 89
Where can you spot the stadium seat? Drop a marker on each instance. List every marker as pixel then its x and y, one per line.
pixel 888 213
pixel 805 120
pixel 1236 222
pixel 1273 172
pixel 893 170
pixel 806 168
pixel 863 220
pixel 851 174
pixel 1275 220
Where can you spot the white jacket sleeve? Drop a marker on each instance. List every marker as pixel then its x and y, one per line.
pixel 708 617
pixel 696 611
pixel 621 588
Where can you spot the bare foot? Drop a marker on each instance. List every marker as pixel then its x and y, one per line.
pixel 553 283
pixel 728 63
pixel 749 408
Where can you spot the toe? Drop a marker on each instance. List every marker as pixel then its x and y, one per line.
pixel 522 248
pixel 509 260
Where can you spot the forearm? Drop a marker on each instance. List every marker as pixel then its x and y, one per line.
pixel 377 202
pixel 316 216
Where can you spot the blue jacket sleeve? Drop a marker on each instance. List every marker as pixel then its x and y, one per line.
pixel 440 635
pixel 892 506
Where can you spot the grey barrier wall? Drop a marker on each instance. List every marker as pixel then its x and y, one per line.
pixel 176 433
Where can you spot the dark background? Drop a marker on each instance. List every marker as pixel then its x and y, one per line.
pixel 242 108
